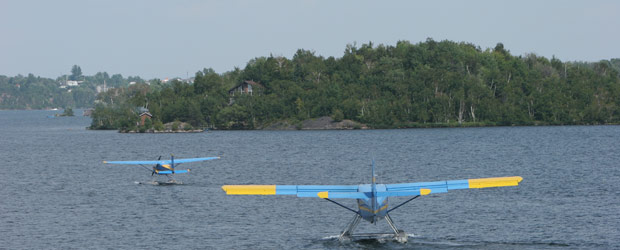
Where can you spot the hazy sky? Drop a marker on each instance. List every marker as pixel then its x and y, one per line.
pixel 159 39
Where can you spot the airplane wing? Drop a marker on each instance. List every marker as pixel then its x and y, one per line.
pixel 298 190
pixel 351 191
pixel 136 162
pixel 161 162
pixel 192 160
pixel 408 189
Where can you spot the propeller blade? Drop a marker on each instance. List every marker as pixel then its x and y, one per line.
pixel 154 167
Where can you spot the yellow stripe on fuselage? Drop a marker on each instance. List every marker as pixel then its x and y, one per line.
pixel 495 182
pixel 167 166
pixel 376 211
pixel 249 189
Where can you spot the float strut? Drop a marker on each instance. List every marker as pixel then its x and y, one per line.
pixel 346 233
pixel 399 235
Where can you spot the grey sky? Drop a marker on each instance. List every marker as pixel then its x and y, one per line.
pixel 159 39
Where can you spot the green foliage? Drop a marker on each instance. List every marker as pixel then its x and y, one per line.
pixel 158 125
pixel 188 127
pixel 176 125
pixel 67 112
pixel 148 123
pixel 236 117
pixel 337 115
pixel 428 84
pixel 122 117
pixel 76 73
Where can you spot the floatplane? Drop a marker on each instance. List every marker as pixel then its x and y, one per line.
pixel 372 199
pixel 164 167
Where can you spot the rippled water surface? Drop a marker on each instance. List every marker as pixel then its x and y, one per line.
pixel 55 193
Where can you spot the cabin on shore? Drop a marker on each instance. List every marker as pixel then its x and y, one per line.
pixel 246 87
pixel 144 114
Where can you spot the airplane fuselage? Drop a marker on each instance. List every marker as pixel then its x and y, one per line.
pixel 157 168
pixel 372 209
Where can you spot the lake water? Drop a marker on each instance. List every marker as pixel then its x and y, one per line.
pixel 55 193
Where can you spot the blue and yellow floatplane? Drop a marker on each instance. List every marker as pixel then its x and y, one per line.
pixel 164 167
pixel 372 199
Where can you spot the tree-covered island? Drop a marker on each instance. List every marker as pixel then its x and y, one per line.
pixel 428 84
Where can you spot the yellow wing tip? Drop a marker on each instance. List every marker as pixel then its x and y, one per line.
pixel 425 191
pixel 105 161
pixel 249 189
pixel 495 182
pixel 323 195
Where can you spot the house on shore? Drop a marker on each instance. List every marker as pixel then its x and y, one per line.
pixel 246 87
pixel 144 114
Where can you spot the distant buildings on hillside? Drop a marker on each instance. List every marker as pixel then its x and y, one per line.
pixel 103 88
pixel 64 85
pixel 188 80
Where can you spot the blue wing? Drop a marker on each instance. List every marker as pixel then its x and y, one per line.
pixel 193 160
pixel 136 162
pixel 408 189
pixel 161 162
pixel 353 191
pixel 298 190
pixel 320 191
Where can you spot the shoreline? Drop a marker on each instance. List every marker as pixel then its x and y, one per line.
pixel 422 126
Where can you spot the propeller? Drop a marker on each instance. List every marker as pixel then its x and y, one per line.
pixel 155 167
pixel 172 162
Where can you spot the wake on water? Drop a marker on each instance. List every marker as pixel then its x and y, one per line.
pixel 369 238
pixel 159 183
pixel 384 240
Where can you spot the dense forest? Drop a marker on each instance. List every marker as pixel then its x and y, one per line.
pixel 407 85
pixel 34 92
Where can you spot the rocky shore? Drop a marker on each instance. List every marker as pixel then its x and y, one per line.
pixel 321 123
pixel 171 127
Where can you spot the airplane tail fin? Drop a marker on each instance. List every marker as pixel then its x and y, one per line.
pixel 374 190
pixel 374 179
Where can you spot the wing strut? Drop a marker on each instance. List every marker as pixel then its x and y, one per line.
pixel 147 169
pixel 394 208
pixel 343 206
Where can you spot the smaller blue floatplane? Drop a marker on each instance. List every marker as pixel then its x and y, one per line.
pixel 372 199
pixel 164 167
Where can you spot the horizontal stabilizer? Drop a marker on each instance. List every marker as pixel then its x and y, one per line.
pixel 422 191
pixel 170 172
pixel 351 195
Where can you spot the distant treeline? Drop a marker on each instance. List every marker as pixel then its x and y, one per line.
pixel 34 92
pixel 407 85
